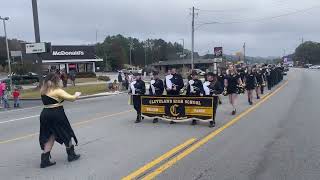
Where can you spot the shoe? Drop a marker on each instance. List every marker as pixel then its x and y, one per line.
pixel 234 112
pixel 258 97
pixel 250 103
pixel 45 160
pixel 155 120
pixel 172 122
pixel 72 156
pixel 194 122
pixel 212 124
pixel 138 120
pixel 220 102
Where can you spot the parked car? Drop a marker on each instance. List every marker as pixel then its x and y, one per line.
pixel 314 67
pixel 28 78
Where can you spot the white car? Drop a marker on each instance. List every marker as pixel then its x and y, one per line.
pixel 314 67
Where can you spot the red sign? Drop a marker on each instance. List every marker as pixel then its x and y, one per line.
pixel 72 66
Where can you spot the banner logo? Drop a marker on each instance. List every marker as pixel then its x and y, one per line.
pixel 173 110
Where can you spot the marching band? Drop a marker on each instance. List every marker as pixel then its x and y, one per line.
pixel 231 82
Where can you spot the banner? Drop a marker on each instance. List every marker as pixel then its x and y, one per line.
pixel 179 108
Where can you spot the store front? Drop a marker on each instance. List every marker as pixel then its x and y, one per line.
pixel 69 58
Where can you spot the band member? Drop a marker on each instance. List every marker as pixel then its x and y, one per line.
pixel 54 124
pixel 221 78
pixel 269 78
pixel 260 81
pixel 136 89
pixel 212 87
pixel 174 83
pixel 251 83
pixel 231 83
pixel 156 88
pixel 195 88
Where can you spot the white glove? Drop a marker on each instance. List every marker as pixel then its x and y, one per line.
pixel 77 94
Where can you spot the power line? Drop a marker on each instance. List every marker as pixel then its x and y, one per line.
pixel 262 19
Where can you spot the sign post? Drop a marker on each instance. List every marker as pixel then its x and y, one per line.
pixel 218 53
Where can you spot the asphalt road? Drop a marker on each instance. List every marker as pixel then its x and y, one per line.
pixel 277 138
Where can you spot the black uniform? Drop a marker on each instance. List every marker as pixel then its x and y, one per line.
pixel 137 88
pixel 197 87
pixel 211 89
pixel 232 83
pixel 177 81
pixel 251 81
pixel 156 87
pixel 221 78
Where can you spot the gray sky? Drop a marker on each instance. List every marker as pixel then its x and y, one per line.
pixel 76 22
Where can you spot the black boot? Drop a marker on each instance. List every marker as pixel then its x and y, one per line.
pixel 72 156
pixel 212 124
pixel 234 112
pixel 155 120
pixel 45 160
pixel 220 102
pixel 172 122
pixel 258 97
pixel 138 120
pixel 194 122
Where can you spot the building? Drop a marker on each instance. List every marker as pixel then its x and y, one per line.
pixel 183 64
pixel 67 57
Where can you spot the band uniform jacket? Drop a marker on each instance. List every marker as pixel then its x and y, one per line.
pixel 212 88
pixel 156 87
pixel 137 87
pixel 195 88
pixel 176 80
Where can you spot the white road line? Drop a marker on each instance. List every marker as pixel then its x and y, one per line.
pixel 19 119
pixel 15 110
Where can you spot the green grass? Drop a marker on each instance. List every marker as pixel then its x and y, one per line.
pixel 84 80
pixel 85 90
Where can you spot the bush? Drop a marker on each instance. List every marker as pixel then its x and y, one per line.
pixel 104 78
pixel 86 75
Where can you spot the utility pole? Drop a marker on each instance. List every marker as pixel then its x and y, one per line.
pixel 131 45
pixel 244 53
pixel 192 40
pixel 182 48
pixel 37 37
pixel 7 46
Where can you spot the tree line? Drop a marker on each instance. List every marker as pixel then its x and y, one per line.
pixel 307 53
pixel 115 50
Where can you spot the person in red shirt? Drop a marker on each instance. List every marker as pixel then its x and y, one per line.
pixel 16 97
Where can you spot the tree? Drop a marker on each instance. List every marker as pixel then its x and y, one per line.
pixel 308 53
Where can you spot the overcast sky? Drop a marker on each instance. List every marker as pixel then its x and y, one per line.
pixel 76 22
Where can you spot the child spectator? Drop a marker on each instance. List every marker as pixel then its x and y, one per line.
pixel 16 98
pixel 5 98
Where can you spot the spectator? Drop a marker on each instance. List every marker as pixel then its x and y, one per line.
pixel 16 98
pixel 115 86
pixel 6 99
pixel 64 78
pixel 120 79
pixel 72 76
pixel 2 88
pixel 126 81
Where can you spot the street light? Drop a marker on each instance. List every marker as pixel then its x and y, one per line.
pixel 4 19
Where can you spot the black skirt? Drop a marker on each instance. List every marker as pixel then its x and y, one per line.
pixel 53 121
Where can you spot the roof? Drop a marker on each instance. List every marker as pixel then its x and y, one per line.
pixel 182 61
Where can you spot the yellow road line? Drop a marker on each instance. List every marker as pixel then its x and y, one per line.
pixel 75 124
pixel 159 159
pixel 203 141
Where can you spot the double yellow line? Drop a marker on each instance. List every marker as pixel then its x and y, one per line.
pixel 191 148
